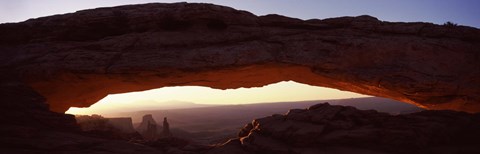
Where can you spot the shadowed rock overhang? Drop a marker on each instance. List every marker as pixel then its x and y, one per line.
pixel 78 58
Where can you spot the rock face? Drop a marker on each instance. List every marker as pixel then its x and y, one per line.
pixel 24 112
pixel 27 126
pixel 166 129
pixel 148 128
pixel 324 128
pixel 125 125
pixel 78 58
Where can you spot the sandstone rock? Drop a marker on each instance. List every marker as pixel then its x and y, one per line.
pixel 324 128
pixel 232 147
pixel 125 125
pixel 24 112
pixel 146 119
pixel 93 53
pixel 62 142
pixel 166 129
pixel 148 128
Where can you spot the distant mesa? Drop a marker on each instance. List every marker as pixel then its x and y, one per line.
pixel 125 124
pixel 99 123
pixel 151 131
pixel 146 121
pixel 148 128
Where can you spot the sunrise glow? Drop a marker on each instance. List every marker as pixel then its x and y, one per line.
pixel 168 96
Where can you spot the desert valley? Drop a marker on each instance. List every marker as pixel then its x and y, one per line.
pixel 216 124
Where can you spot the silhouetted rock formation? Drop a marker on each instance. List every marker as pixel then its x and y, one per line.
pixel 27 126
pixel 92 53
pixel 148 128
pixel 107 128
pixel 94 122
pixel 124 125
pixel 151 132
pixel 324 128
pixel 24 112
pixel 146 119
pixel 166 128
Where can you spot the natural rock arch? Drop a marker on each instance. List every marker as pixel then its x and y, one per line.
pixel 76 59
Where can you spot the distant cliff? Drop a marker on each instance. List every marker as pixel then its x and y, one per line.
pixel 125 125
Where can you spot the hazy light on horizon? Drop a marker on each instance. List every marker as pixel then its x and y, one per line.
pixel 168 96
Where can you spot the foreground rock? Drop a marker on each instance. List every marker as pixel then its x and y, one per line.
pixel 324 128
pixel 96 52
pixel 28 127
pixel 54 142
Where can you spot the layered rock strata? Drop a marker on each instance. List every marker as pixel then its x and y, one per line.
pixel 78 58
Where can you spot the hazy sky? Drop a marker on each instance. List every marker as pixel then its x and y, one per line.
pixel 164 97
pixel 464 12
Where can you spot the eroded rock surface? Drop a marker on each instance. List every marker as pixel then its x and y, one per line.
pixel 27 126
pixel 324 128
pixel 123 124
pixel 78 58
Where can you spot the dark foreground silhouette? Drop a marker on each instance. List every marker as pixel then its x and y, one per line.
pixel 324 128
pixel 321 128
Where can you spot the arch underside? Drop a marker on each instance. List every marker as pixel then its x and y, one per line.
pixel 84 90
pixel 91 88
